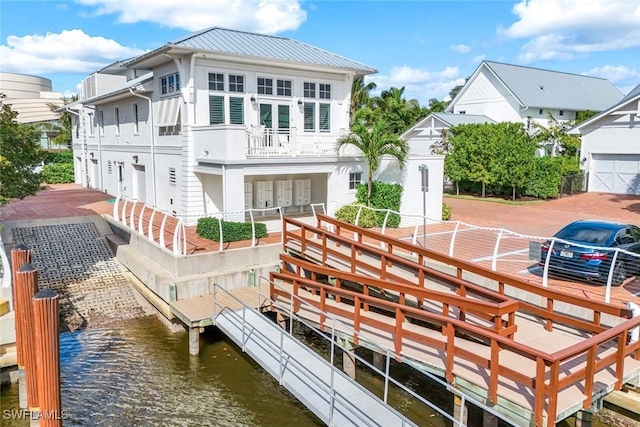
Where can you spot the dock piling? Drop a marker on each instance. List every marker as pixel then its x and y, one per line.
pixel 194 341
pixel 47 345
pixel 20 255
pixel 25 288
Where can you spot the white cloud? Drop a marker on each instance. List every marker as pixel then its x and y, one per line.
pixel 479 58
pixel 62 6
pixel 262 16
pixel 460 48
pixel 418 83
pixel 68 51
pixel 565 29
pixel 623 77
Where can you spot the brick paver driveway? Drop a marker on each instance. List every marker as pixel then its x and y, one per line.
pixel 545 219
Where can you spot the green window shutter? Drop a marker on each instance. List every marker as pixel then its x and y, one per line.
pixel 283 117
pixel 236 111
pixel 265 115
pixel 216 110
pixel 325 117
pixel 309 116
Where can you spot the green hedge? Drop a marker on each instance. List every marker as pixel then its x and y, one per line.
pixel 383 196
pixel 65 156
pixel 545 178
pixel 57 173
pixel 209 228
pixel 446 212
pixel 349 213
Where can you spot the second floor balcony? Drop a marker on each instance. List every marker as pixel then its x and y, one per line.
pixel 236 142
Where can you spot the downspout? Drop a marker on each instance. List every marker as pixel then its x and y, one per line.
pixel 83 158
pixel 95 110
pixel 153 145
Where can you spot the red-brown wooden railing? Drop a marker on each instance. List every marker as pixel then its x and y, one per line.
pixel 547 365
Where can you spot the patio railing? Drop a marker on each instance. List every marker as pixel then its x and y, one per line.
pixel 266 142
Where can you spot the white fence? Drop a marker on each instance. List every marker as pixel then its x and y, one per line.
pixel 131 213
pixel 535 258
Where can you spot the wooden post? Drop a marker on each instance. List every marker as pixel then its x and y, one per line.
pixel 25 286
pixel 46 317
pixel 20 255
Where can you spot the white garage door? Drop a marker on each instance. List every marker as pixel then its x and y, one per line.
pixel 615 173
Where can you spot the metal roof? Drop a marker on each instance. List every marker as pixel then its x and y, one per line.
pixel 462 119
pixel 235 42
pixel 634 94
pixel 123 88
pixel 538 88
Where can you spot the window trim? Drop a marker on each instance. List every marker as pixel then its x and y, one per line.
pixel 284 87
pixel 164 84
pixel 328 106
pixel 216 82
pixel 244 82
pixel 307 91
pixel 304 117
pixel 264 86
pixel 324 93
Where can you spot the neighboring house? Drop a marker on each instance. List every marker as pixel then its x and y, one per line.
pixel 427 135
pixel 610 150
pixel 31 97
pixel 513 93
pixel 222 121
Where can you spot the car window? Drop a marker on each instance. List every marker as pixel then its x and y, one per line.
pixel 624 237
pixel 586 235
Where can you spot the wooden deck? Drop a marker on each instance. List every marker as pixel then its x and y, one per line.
pixel 579 353
pixel 197 311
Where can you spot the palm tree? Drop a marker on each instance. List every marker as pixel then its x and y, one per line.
pixel 375 142
pixel 557 134
pixel 359 95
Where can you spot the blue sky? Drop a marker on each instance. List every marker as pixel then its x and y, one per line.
pixel 426 46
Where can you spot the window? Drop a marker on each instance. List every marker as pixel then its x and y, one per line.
pixel 91 129
pixel 172 130
pixel 540 111
pixel 216 110
pixel 136 123
pixel 462 112
pixel 284 87
pixel 109 168
pixel 325 117
pixel 76 122
pixel 324 91
pixel 309 116
pixel 283 117
pixel 265 115
pixel 236 111
pixel 172 177
pixel 117 114
pixel 236 84
pixel 561 112
pixel 624 237
pixel 170 84
pixel 265 86
pixel 216 81
pixel 355 178
pixel 309 90
pixel 101 113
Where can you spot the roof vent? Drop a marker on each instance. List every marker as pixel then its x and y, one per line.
pixel 541 87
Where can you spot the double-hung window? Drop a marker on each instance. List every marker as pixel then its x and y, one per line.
pixel 216 81
pixel 284 87
pixel 265 86
pixel 324 91
pixel 236 83
pixel 170 84
pixel 309 90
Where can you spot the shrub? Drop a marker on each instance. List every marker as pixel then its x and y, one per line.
pixel 446 212
pixel 545 180
pixel 209 228
pixel 349 213
pixel 383 196
pixel 57 173
pixel 65 156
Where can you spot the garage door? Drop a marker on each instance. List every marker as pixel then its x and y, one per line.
pixel 615 173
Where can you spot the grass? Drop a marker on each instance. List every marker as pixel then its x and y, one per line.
pixel 494 199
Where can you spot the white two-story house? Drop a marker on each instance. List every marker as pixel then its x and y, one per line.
pixel 222 121
pixel 498 92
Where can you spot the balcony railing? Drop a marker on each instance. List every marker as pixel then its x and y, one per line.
pixel 265 142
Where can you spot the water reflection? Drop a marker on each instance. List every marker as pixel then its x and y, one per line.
pixel 140 374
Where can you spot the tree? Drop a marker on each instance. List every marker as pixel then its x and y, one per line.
pixel 436 106
pixel 515 156
pixel 20 153
pixel 374 143
pixel 556 134
pixel 64 126
pixel 360 95
pixel 392 108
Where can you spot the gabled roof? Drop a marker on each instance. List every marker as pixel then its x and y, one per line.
pixel 233 42
pixel 633 95
pixel 539 88
pixel 449 120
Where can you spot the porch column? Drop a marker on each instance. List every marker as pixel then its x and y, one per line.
pixel 233 191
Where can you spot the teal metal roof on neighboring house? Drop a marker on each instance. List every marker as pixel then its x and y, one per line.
pixel 538 88
pixel 462 119
pixel 263 46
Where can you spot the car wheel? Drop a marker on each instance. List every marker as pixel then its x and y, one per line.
pixel 619 274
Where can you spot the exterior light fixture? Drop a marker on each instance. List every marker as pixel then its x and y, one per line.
pixel 299 102
pixel 253 98
pixel 135 159
pixel 91 154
